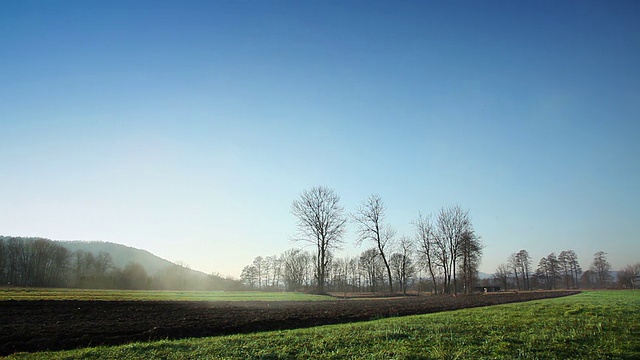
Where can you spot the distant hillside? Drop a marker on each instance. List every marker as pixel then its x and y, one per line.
pixel 122 255
pixel 40 262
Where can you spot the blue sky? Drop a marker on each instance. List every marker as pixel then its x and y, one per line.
pixel 187 128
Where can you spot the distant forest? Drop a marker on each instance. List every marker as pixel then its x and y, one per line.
pixel 39 262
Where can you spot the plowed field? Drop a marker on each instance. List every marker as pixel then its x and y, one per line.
pixel 56 324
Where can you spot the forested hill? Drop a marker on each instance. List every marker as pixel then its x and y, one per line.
pixel 121 254
pixel 40 262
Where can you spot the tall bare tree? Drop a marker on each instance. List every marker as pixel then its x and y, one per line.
pixel 369 265
pixel 402 263
pixel 369 218
pixel 574 267
pixel 103 263
pixel 452 223
pixel 249 276
pixel 502 275
pixel 82 267
pixel 321 222
pixel 341 275
pixel 514 265
pixel 548 270
pixel 471 252
pixel 274 265
pixel 355 276
pixel 564 259
pixel 58 272
pixel 259 265
pixel 295 268
pixel 15 250
pixel 601 267
pixel 523 261
pixel 426 239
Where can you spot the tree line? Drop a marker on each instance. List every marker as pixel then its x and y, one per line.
pixel 561 271
pixel 38 262
pixel 441 256
pixel 444 245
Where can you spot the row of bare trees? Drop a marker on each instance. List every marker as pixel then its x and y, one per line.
pixel 87 270
pixel 445 244
pixel 294 270
pixel 563 270
pixel 518 271
pixel 37 262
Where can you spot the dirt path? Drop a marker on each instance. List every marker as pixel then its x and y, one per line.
pixel 57 325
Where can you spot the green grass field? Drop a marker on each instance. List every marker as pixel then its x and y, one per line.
pixel 103 295
pixel 590 325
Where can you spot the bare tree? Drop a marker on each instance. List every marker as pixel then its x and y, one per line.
pixel 402 263
pixel 249 276
pixel 471 252
pixel 549 270
pixel 523 261
pixel 601 267
pixel 426 238
pixel 103 263
pixel 321 222
pixel 38 250
pixel 542 273
pixel 82 266
pixel 340 275
pixel 274 270
pixel 627 275
pixel 514 265
pixel 260 269
pixel 554 268
pixel 355 277
pixel 295 268
pixel 369 265
pixel 58 272
pixel 369 218
pixel 574 267
pixel 565 267
pixel 502 275
pixel 452 224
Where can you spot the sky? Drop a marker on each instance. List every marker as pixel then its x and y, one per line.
pixel 187 128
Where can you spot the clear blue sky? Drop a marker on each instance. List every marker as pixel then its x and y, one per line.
pixel 187 128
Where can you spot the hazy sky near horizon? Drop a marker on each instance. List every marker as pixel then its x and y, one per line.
pixel 188 128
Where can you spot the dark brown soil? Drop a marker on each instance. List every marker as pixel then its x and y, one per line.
pixel 56 325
